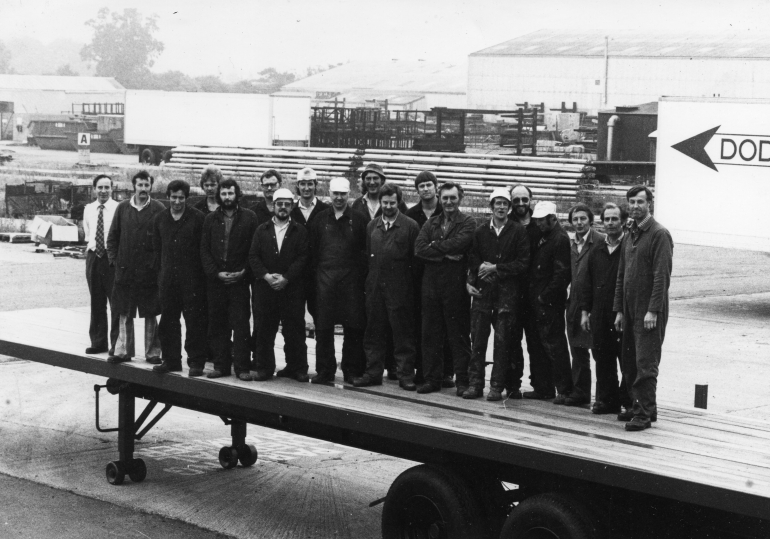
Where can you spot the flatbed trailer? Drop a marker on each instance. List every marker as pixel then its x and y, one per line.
pixel 511 470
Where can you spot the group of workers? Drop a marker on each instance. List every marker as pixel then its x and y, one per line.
pixel 417 291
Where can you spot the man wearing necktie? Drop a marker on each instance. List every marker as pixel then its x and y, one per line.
pixel 97 218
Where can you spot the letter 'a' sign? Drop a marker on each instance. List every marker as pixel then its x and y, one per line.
pixel 84 139
pixel 713 156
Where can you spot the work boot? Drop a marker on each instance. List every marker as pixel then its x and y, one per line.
pixel 366 380
pixel 166 367
pixel 637 423
pixel 217 374
pixel 473 393
pixel 260 376
pixel 321 378
pixel 461 390
pixel 536 395
pixel 494 395
pixel 392 375
pixel 560 398
pixel 154 360
pixel 513 394
pixel 427 388
pixel 118 359
pixel 601 408
pixel 447 382
pixel 194 372
pixel 628 415
pixel 407 384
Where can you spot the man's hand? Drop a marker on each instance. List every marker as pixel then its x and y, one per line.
pixel 650 320
pixel 619 322
pixel 456 258
pixel 270 279
pixel 280 282
pixel 473 291
pixel 585 321
pixel 486 270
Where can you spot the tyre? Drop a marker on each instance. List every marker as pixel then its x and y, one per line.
pixel 247 454
pixel 228 457
pixel 167 155
pixel 115 472
pixel 549 516
pixel 147 156
pixel 431 502
pixel 137 470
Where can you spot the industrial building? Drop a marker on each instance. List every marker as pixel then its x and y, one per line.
pixel 24 98
pixel 599 70
pixel 405 84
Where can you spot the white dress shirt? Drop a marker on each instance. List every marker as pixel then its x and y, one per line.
pixel 280 232
pixel 91 218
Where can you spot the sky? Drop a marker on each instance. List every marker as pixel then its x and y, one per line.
pixel 235 39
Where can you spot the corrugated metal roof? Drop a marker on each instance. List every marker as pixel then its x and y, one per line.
pixel 398 76
pixel 362 96
pixel 633 44
pixel 55 82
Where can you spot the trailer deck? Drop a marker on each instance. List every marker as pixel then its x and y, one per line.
pixel 693 456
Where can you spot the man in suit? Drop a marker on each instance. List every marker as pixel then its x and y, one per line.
pixel 278 256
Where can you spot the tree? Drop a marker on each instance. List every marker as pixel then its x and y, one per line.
pixel 66 70
pixel 5 60
pixel 123 46
pixel 271 80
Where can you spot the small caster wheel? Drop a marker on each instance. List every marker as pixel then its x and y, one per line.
pixel 228 457
pixel 137 470
pixel 247 454
pixel 116 472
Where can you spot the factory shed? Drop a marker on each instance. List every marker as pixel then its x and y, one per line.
pixel 24 98
pixel 603 69
pixel 425 84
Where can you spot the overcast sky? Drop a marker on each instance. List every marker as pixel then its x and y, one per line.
pixel 237 38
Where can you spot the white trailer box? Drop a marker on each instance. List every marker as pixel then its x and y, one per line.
pixel 291 120
pixel 713 160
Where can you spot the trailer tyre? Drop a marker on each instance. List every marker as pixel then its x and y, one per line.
pixel 551 516
pixel 137 470
pixel 115 472
pixel 148 156
pixel 247 454
pixel 167 156
pixel 431 502
pixel 228 457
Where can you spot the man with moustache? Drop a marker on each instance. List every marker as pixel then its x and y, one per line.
pixel 97 219
pixel 499 257
pixel 597 295
pixel 210 180
pixel 443 244
pixel 129 249
pixel 585 242
pixel 389 292
pixel 225 244
pixel 368 204
pixel 549 277
pixel 338 252
pixel 641 304
pixel 521 204
pixel 181 282
pixel 278 256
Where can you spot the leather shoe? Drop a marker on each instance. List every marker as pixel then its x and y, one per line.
pixel 575 401
pixel 472 393
pixel 155 360
pixel 407 384
pixel 217 374
pixel 95 350
pixel 427 388
pixel 628 415
pixel 601 408
pixel 637 423
pixel 260 376
pixel 560 398
pixel 322 379
pixel 366 380
pixel 301 377
pixel 118 359
pixel 513 394
pixel 165 368
pixel 461 390
pixel 286 373
pixel 535 395
pixel 494 395
pixel 447 382
pixel 246 376
pixel 194 372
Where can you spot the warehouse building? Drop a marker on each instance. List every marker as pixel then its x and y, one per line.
pixel 406 85
pixel 599 70
pixel 24 98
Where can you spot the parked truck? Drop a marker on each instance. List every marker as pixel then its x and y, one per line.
pixel 157 121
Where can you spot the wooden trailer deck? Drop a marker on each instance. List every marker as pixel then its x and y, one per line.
pixel 689 455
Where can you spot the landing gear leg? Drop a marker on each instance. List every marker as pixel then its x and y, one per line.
pixel 240 450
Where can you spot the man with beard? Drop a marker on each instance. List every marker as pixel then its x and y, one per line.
pixel 443 243
pixel 498 258
pixel 426 184
pixel 97 219
pixel 181 282
pixel 586 241
pixel 372 179
pixel 225 244
pixel 210 180
pixel 129 248
pixel 278 255
pixel 389 296
pixel 597 295
pixel 549 277
pixel 338 251
pixel 641 304
pixel 270 181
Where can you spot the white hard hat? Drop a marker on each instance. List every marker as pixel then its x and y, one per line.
pixel 306 173
pixel 339 185
pixel 283 193
pixel 500 192
pixel 544 209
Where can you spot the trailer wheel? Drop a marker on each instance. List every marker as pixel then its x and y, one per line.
pixel 431 502
pixel 147 157
pixel 549 516
pixel 115 472
pixel 137 470
pixel 247 454
pixel 228 457
pixel 167 155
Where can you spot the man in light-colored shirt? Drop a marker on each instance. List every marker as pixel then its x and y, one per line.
pixel 97 219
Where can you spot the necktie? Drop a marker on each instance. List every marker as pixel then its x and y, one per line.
pixel 99 239
pixel 387 226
